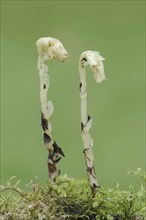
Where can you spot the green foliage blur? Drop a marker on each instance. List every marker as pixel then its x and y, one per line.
pixel 116 29
pixel 69 198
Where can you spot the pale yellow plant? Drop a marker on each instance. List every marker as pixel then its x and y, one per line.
pixel 49 49
pixel 95 61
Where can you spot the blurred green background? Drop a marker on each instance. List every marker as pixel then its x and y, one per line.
pixel 116 29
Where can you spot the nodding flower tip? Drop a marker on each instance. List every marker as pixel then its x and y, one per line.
pixel 51 49
pixel 95 61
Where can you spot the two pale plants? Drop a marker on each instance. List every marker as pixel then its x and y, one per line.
pixel 49 49
pixel 66 198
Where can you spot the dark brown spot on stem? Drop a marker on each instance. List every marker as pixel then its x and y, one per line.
pixel 44 122
pixel 47 138
pixel 80 86
pixel 89 117
pixel 57 160
pixel 82 126
pixel 84 151
pixel 57 149
pixel 94 190
pixel 51 168
pixel 89 169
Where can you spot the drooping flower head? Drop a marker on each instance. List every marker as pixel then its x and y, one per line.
pixel 95 61
pixel 51 48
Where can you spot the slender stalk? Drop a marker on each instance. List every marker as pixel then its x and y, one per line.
pixel 49 49
pixel 94 60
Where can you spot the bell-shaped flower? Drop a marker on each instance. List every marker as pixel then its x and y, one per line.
pixel 95 61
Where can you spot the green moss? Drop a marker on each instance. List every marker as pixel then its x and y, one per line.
pixel 71 199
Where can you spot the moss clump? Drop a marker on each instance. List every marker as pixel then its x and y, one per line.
pixel 71 199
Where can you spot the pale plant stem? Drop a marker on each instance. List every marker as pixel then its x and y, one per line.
pixel 86 58
pixel 86 137
pixel 49 49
